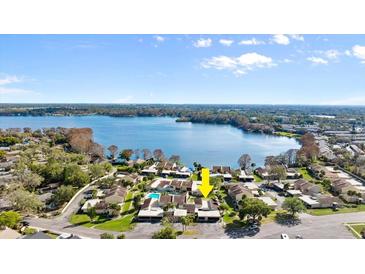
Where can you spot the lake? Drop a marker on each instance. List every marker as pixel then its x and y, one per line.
pixel 204 143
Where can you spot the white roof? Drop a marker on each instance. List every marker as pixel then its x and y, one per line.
pixel 149 170
pixel 180 212
pixel 155 212
pixel 251 186
pixel 211 213
pixel 268 201
pixel 294 192
pixel 90 203
pixel 195 185
pixel 354 182
pixel 308 200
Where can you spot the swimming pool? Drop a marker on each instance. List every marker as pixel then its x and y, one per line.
pixel 154 196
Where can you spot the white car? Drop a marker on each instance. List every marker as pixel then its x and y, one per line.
pixel 284 236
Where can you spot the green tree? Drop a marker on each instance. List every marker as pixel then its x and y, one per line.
pixel 53 172
pixel 293 205
pixel 91 211
pixel 31 180
pixel 278 172
pixel 2 154
pixel 107 236
pixel 186 221
pixel 253 209
pixel 63 194
pixel 165 233
pixel 126 154
pixel 25 201
pixel 73 175
pixel 96 171
pixel 10 219
pixel 121 236
pixel 115 210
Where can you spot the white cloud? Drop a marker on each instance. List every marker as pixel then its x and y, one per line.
pixel 239 65
pixel 9 79
pixel 332 54
pixel 287 61
pixel 317 60
pixel 12 79
pixel 252 41
pixel 297 37
pixel 281 39
pixel 348 53
pixel 159 38
pixel 359 52
pixel 226 42
pixel 202 43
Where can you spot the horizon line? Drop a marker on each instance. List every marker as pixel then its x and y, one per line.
pixel 207 104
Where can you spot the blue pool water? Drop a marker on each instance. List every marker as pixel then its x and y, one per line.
pixel 154 196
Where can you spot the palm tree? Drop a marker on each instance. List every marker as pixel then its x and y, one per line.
pixel 186 221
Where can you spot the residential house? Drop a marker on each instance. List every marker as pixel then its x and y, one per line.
pixel 101 207
pixel 88 204
pixel 115 195
pixel 150 212
pixel 268 201
pixel 246 177
pixel 292 173
pixel 341 186
pixel 238 191
pixel 307 188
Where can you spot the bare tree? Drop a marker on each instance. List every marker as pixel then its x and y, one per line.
pixel 291 156
pixel 96 151
pixel 244 161
pixel 146 154
pixel 158 154
pixel 137 153
pixel 113 150
pixel 174 159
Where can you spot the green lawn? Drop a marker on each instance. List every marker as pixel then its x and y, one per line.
pixel 305 174
pixel 329 211
pixel 194 177
pixel 357 227
pixel 258 179
pixel 52 235
pixel 287 134
pixel 127 202
pixel 119 225
pixel 84 220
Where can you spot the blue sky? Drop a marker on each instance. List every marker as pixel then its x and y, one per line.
pixel 240 69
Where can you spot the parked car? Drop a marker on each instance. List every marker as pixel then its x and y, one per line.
pixel 284 236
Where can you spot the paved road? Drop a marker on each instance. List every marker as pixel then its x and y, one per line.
pixel 60 224
pixel 310 227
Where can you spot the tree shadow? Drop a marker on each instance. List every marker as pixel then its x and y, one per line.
pixel 240 229
pixel 287 219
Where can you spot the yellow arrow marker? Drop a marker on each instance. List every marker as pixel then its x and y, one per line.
pixel 205 187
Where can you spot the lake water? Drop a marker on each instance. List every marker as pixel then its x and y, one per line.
pixel 206 144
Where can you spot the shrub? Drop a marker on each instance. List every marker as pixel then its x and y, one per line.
pixel 107 236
